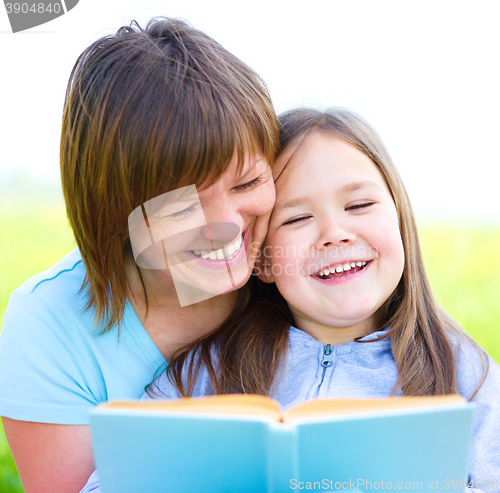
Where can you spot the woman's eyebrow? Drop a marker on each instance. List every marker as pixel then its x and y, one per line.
pixel 248 169
pixel 178 197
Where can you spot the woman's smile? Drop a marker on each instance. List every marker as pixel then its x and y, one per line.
pixel 224 257
pixel 205 238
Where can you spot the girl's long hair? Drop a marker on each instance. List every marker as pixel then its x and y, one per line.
pixel 248 350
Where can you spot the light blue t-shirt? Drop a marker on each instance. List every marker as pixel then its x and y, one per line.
pixel 54 363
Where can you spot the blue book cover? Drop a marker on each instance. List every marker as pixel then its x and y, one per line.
pixel 242 443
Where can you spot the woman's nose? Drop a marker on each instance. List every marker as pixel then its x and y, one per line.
pixel 219 234
pixel 222 210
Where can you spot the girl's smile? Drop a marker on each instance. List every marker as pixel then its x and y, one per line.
pixel 342 272
pixel 334 243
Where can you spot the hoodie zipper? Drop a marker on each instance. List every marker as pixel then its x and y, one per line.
pixel 326 362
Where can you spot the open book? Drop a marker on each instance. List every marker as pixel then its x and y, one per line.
pixel 245 443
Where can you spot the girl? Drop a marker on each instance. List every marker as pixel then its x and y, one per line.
pixel 347 310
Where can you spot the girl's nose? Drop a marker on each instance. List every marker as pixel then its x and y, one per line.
pixel 334 233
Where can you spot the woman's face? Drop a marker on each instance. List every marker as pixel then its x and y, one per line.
pixel 208 238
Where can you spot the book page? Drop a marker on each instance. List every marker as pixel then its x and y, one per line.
pixel 237 404
pixel 331 407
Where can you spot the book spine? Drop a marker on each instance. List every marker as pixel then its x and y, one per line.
pixel 282 457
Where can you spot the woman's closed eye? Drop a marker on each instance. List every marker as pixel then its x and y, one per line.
pixel 249 185
pixel 183 213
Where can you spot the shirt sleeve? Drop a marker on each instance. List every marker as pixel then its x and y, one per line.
pixel 47 372
pixel 484 464
pixel 163 388
pixel 93 484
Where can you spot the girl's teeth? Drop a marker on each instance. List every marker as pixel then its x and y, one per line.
pixel 340 268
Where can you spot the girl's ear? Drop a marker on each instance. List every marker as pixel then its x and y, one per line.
pixel 263 269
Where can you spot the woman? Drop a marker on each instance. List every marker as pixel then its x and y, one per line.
pixel 147 112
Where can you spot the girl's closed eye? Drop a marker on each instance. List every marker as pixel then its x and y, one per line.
pixel 362 205
pixel 295 220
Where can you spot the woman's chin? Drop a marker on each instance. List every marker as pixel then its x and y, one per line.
pixel 194 285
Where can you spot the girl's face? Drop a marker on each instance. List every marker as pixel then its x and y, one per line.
pixel 334 243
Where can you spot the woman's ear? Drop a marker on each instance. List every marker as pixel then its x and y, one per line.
pixel 263 269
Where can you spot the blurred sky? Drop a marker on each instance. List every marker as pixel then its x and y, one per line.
pixel 425 74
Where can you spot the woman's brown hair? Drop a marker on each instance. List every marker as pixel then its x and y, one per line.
pixel 249 354
pixel 148 111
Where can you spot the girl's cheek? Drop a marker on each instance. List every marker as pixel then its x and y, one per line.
pixel 383 229
pixel 390 242
pixel 287 261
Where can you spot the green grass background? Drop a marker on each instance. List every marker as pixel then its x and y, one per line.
pixel 463 263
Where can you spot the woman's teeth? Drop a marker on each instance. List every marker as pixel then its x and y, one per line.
pixel 227 252
pixel 337 269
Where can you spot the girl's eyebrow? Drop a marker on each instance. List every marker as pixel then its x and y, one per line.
pixel 289 204
pixel 357 185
